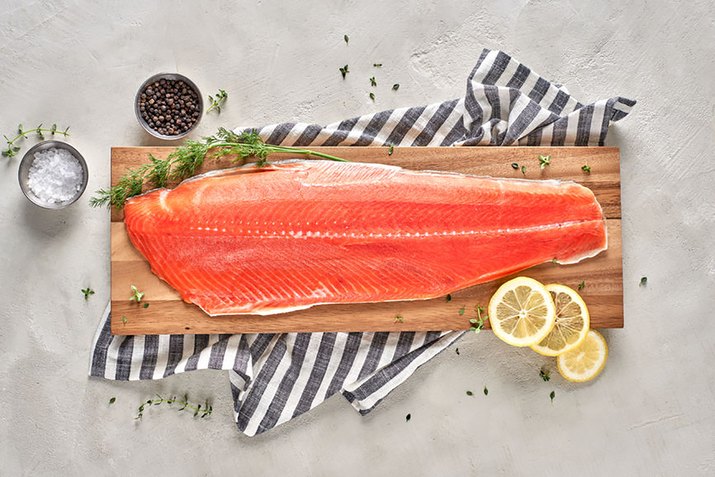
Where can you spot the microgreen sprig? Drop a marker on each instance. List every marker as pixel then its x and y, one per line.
pixel 87 292
pixel 544 161
pixel 217 101
pixel 478 322
pixel 199 410
pixel 136 294
pixel 186 160
pixel 12 148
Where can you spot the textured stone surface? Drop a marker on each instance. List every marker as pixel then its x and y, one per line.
pixel 79 64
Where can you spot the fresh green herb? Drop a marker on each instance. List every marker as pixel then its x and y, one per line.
pixel 395 86
pixel 644 281
pixel 544 161
pixel 456 350
pixel 581 285
pixel 390 150
pixel 552 395
pixel 377 65
pixel 346 38
pixel 478 322
pixel 486 391
pixel 124 320
pixel 112 400
pixel 399 319
pixel 199 410
pixel 22 133
pixel 186 160
pixel 373 81
pixel 523 170
pixel 470 393
pixel 586 168
pixel 554 261
pixel 372 96
pixel 218 101
pixel 461 311
pixel 344 71
pixel 545 374
pixel 448 297
pixel 87 292
pixel 146 305
pixel 408 417
pixel 136 294
pixel 515 166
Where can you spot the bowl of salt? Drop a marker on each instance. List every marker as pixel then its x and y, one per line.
pixel 53 174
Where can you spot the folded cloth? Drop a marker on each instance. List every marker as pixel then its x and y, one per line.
pixel 275 377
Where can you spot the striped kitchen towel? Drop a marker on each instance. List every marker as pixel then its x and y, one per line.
pixel 275 377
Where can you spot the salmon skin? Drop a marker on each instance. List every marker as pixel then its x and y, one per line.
pixel 300 233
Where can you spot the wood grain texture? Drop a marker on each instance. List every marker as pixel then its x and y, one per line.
pixel 603 293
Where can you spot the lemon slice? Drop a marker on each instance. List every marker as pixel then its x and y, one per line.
pixel 586 361
pixel 572 322
pixel 522 312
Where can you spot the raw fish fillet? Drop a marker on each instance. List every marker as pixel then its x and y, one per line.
pixel 301 233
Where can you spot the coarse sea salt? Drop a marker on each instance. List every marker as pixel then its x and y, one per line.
pixel 55 176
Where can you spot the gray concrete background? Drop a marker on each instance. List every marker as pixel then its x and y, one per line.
pixel 79 64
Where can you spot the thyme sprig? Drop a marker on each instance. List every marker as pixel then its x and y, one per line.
pixel 217 101
pixel 12 148
pixel 198 410
pixel 186 160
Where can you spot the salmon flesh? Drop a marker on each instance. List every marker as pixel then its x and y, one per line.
pixel 301 233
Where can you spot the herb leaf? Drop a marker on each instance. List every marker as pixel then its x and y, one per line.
pixel 346 38
pixel 408 417
pixel 552 395
pixel 448 297
pixel 470 393
pixel 112 400
pixel 523 170
pixel 373 81
pixel 395 86
pixel 372 96
pixel 377 65
pixel 344 71
pixel 461 311
pixel 586 168
pixel 456 350
pixel 545 374
pixel 124 320
pixel 399 319
pixel 390 150
pixel 581 285
pixel 486 391
pixel 515 166
pixel 644 281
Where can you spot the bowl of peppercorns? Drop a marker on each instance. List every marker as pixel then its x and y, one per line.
pixel 168 106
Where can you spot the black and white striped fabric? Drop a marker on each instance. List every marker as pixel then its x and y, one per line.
pixel 275 377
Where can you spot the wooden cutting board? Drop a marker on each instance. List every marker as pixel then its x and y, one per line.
pixel 603 291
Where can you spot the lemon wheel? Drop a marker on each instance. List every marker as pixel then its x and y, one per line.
pixel 572 322
pixel 586 361
pixel 522 312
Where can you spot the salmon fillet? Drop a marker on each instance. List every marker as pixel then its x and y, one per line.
pixel 301 233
